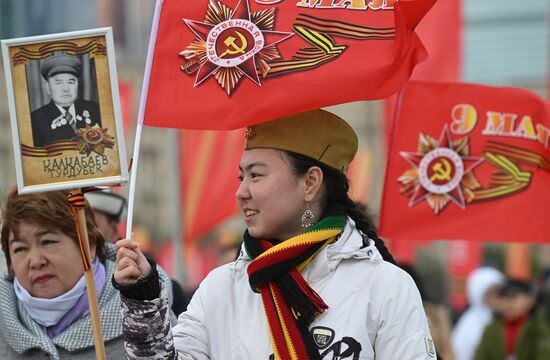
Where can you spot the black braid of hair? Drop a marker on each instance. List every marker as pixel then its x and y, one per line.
pixel 337 193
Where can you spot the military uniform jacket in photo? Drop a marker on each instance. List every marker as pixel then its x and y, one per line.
pixel 48 124
pixel 375 312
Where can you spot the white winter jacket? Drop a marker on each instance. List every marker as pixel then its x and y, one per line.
pixel 375 311
pixel 470 326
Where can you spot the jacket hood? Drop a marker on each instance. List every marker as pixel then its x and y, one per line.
pixel 481 280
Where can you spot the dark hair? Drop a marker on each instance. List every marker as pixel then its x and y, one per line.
pixel 409 269
pixel 514 287
pixel 337 194
pixel 50 210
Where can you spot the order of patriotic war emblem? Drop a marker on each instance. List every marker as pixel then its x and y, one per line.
pixel 230 44
pixel 441 172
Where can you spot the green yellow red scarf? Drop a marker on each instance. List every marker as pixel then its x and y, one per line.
pixel 290 304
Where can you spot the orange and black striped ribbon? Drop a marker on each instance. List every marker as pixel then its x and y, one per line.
pixel 77 201
pixel 317 31
pixel 344 29
pixel 51 149
pixel 518 154
pixel 509 180
pixel 324 50
pixel 92 47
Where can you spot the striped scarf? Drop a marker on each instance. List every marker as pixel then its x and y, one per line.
pixel 290 304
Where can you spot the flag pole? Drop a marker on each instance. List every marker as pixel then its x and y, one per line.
pixel 175 207
pixel 141 116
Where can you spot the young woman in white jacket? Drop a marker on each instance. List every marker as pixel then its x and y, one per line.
pixel 313 281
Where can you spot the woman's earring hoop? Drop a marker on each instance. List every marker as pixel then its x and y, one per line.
pixel 308 219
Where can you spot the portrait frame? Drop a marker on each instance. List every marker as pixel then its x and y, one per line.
pixel 49 154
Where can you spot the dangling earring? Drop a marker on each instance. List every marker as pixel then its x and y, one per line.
pixel 308 219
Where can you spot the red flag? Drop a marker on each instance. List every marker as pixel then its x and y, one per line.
pixel 443 64
pixel 518 261
pixel 463 257
pixel 126 91
pixel 444 47
pixel 468 162
pixel 227 64
pixel 207 157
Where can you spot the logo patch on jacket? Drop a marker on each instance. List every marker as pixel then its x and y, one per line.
pixel 322 336
pixel 430 348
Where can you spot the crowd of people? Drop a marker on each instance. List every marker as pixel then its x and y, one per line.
pixel 312 279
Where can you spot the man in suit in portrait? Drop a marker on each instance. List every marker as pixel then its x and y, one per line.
pixel 64 114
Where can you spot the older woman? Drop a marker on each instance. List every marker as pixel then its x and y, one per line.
pixel 313 281
pixel 44 309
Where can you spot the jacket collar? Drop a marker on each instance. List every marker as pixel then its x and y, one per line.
pixel 350 245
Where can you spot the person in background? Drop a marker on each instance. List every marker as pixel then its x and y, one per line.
pixel 109 208
pixel 520 331
pixel 482 288
pixel 544 288
pixel 313 281
pixel 439 318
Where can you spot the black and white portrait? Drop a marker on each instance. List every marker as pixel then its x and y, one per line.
pixel 65 110
pixel 62 97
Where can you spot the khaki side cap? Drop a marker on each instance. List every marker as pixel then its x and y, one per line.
pixel 317 134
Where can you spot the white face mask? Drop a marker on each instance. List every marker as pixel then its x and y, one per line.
pixel 48 312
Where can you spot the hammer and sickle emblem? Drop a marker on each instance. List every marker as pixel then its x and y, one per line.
pixel 232 47
pixel 442 171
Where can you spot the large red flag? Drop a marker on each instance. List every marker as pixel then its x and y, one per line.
pixel 207 157
pixel 468 162
pixel 230 63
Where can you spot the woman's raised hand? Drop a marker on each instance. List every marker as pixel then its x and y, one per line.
pixel 131 264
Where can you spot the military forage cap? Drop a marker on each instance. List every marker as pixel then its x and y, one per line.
pixel 58 64
pixel 317 134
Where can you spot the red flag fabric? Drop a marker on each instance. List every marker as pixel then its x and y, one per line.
pixel 444 47
pixel 463 257
pixel 229 63
pixel 443 64
pixel 206 157
pixel 126 91
pixel 468 162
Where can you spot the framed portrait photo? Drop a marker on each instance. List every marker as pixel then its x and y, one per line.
pixel 65 110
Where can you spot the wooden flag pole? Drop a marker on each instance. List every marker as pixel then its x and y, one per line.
pixel 76 198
